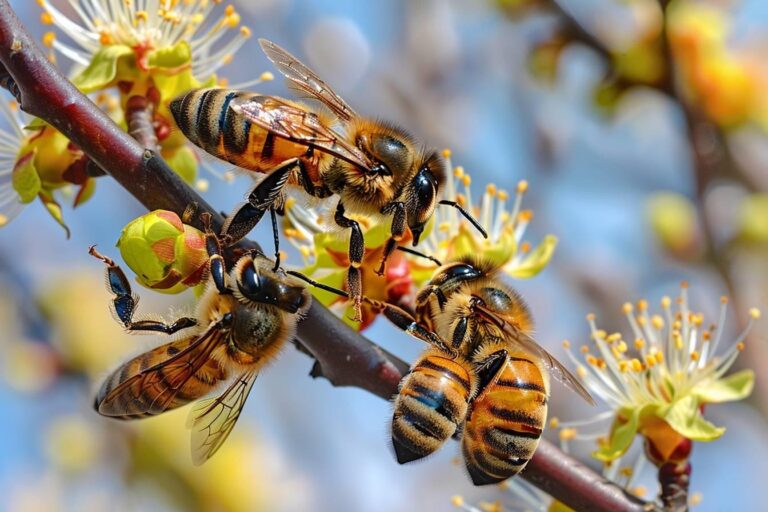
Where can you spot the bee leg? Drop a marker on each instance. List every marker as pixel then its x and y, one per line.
pixel 420 255
pixel 397 231
pixel 490 368
pixel 356 251
pixel 241 221
pixel 216 265
pixel 276 235
pixel 406 322
pixel 125 301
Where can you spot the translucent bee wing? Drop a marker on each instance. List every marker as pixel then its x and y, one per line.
pixel 212 420
pixel 554 366
pixel 154 389
pixel 306 79
pixel 297 125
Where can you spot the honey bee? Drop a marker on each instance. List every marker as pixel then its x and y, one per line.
pixel 243 320
pixel 484 377
pixel 375 168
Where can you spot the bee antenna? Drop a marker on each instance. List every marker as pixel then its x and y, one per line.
pixel 466 215
pixel 314 283
pixel 420 254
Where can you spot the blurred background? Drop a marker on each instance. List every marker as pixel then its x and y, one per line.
pixel 646 180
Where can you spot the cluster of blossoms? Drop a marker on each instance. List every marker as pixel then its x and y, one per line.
pixel 448 237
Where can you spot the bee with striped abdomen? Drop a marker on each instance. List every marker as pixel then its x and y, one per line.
pixel 242 322
pixel 376 169
pixel 484 373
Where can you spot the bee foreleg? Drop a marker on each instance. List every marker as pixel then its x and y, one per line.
pixel 125 301
pixel 397 231
pixel 356 251
pixel 261 199
pixel 489 368
pixel 216 265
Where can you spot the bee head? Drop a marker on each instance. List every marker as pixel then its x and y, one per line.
pixel 420 196
pixel 257 283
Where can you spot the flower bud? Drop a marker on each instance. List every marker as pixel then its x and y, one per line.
pixel 673 220
pixel 164 253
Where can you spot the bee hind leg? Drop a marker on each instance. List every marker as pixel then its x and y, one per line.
pixel 356 252
pixel 397 231
pixel 125 302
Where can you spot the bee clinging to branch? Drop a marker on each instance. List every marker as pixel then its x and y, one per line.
pixel 375 169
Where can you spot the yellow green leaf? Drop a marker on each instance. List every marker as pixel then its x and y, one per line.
pixel 623 432
pixel 35 124
pixel 102 69
pixel 184 163
pixel 26 182
pixel 85 193
pixel 54 209
pixel 140 258
pixel 171 56
pixel 685 418
pixel 335 280
pixel 734 387
pixel 534 262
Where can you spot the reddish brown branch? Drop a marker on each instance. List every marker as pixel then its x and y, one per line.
pixel 343 356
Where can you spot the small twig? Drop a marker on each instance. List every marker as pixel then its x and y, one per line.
pixel 138 116
pixel 674 480
pixel 344 357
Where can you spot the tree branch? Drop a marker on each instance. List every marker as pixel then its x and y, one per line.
pixel 343 356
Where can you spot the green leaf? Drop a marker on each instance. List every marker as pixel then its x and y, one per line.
pixel 734 387
pixel 535 261
pixel 184 162
pixel 171 56
pixel 85 193
pixel 102 69
pixel 623 432
pixel 336 280
pixel 685 417
pixel 25 179
pixel 54 209
pixel 36 124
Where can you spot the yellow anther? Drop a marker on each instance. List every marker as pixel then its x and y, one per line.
pixel 695 356
pixel 566 344
pixel 584 349
pixel 142 16
pixel 657 322
pixel 105 38
pixel 229 10
pixel 457 501
pixel 48 39
pixel 233 20
pixel 305 252
pixel 446 153
pixel 41 3
pixel 525 247
pixel 622 347
pixel 197 19
pixel 581 372
pixel 676 325
pixel 640 321
pixel 639 343
pixel 740 346
pixel 678 339
pixel 706 336
pixel 245 32
pixel 458 171
pixel 266 76
pixel 227 59
pixel 461 199
pixel 568 434
pixel 3 220
pixel 503 195
pixel 491 189
pixel 223 82
pixel 642 305
pixel 639 491
pixel 626 471
pixel 723 300
pixel 444 227
pixel 637 366
pixel 591 317
pixel 683 284
pixel 591 360
pixel 623 366
pixel 650 360
pixel 46 18
pixel 601 363
pixel 554 422
pixel 522 186
pixel 467 180
pixel 627 308
pixel 754 313
pixel 659 357
pixel 525 216
pixel 599 334
pixel 695 499
pixel 613 337
pixel 666 302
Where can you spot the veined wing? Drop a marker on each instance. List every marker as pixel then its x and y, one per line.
pixel 306 79
pixel 212 420
pixel 555 367
pixel 297 125
pixel 154 389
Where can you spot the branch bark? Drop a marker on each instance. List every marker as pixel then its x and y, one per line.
pixel 343 356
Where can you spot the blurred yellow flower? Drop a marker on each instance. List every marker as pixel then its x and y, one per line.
pixel 72 443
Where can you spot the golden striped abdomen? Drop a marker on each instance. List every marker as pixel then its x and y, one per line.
pixel 206 119
pixel 505 422
pixel 126 396
pixel 430 406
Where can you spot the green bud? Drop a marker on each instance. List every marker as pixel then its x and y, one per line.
pixel 674 221
pixel 754 218
pixel 164 253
